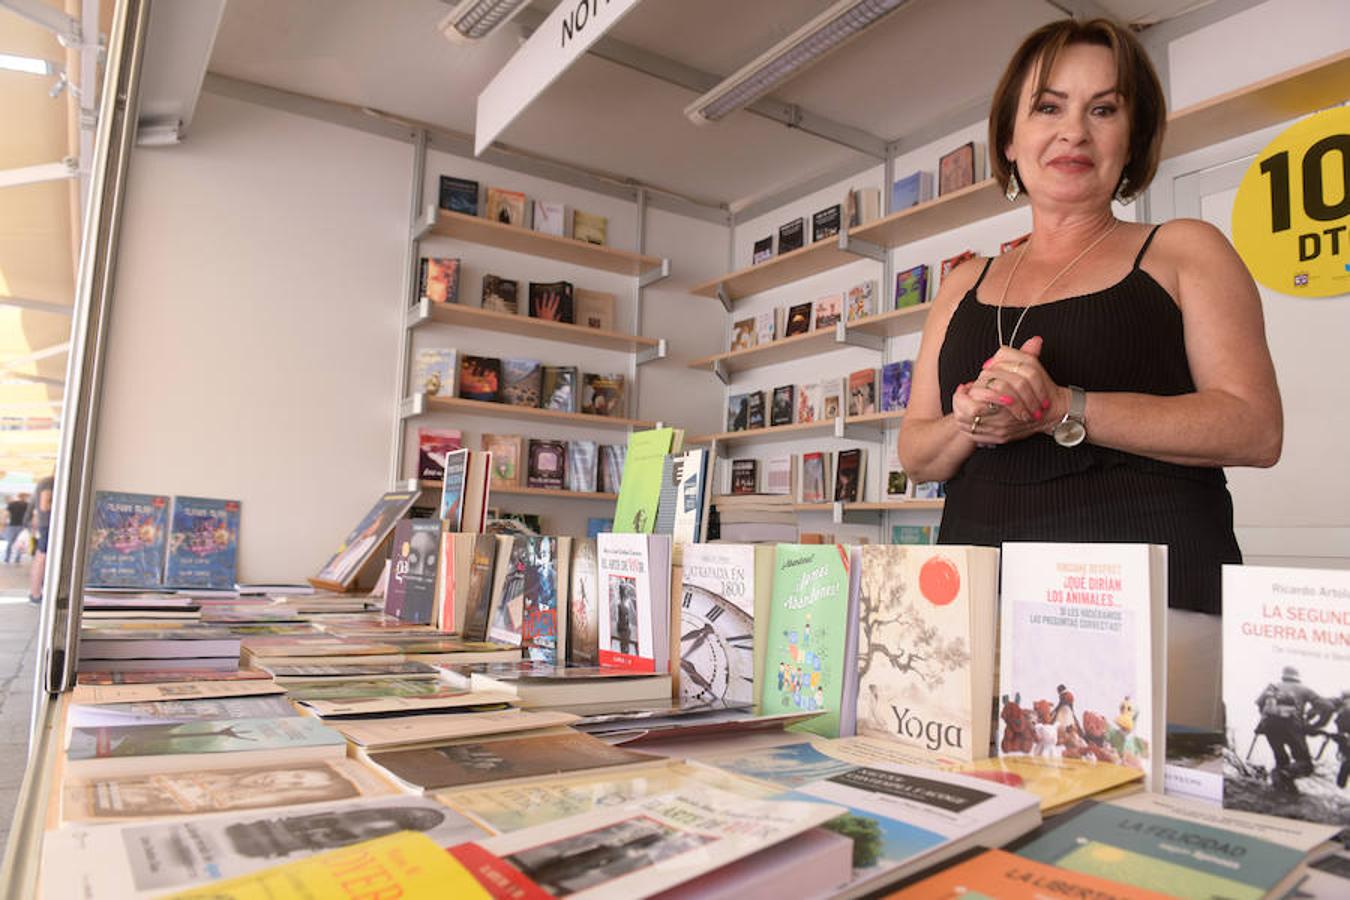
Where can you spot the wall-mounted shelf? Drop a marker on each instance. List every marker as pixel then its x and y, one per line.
pixel 834 427
pixel 535 492
pixel 536 243
pixel 869 333
pixel 421 404
pixel 823 255
pixel 839 511
pixel 508 323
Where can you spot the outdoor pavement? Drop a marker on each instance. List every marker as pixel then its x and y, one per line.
pixel 18 651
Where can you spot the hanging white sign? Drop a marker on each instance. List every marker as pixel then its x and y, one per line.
pixel 572 27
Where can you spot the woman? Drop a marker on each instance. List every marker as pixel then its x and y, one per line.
pixel 1091 384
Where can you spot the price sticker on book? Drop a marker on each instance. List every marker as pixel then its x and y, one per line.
pixel 1291 219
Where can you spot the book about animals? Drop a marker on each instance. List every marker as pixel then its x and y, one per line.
pixel 913 189
pixel 926 647
pixel 798 319
pixel 815 477
pixel 651 844
pixel 825 223
pixel 550 218
pixel 595 309
pixel 589 227
pixel 810 639
pixel 203 543
pixel 522 382
pixel 755 414
pixel 791 236
pixel 459 195
pixel 507 452
pixel 763 250
pixel 950 264
pixel 438 279
pixel 507 207
pixel 548 464
pixel 480 378
pixel 635 615
pixel 743 334
pixel 862 392
pixel 579 474
pixel 849 474
pixel 744 476
pixel 127 540
pixel 1286 644
pixel 784 404
pixel 434 372
pixel 500 294
pixel 136 859
pixel 639 496
pixel 552 301
pixel 362 541
pixel 808 402
pixel 583 605
pixel 861 301
pixel 559 388
pixel 410 595
pixel 1099 694
pixel 433 444
pixel 911 286
pixel 956 169
pixel 828 311
pixel 603 395
pixel 896 379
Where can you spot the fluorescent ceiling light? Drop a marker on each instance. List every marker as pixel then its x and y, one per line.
pixel 804 47
pixel 30 64
pixel 472 20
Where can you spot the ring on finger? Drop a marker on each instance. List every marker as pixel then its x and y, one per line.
pixel 974 424
pixel 990 383
pixel 991 407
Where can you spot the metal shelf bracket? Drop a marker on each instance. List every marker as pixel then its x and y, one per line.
pixel 419 314
pixel 721 372
pixel 842 335
pixel 723 296
pixel 859 247
pixel 651 354
pixel 415 405
pixel 651 276
pixel 424 225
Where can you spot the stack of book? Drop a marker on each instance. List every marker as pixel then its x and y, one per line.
pixel 756 518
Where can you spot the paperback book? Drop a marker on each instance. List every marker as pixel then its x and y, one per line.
pixel 832 398
pixel 547 465
pixel 895 383
pixel 612 460
pixel 717 624
pixel 459 195
pixel 438 280
pixel 522 382
pixel 434 372
pixel 595 309
pixel 825 223
pixel 640 494
pixel 603 395
pixel 911 287
pixel 552 301
pixel 127 540
pixel 507 451
pixel 957 169
pixel 763 250
pixel 862 392
pixel 362 541
pixel 950 264
pixel 744 476
pixel 816 477
pixel 911 190
pixel 850 469
pixel 580 471
pixel 798 320
pixel 452 491
pixel 559 389
pixel 480 378
pixel 635 592
pixel 433 446
pixel 550 218
pixel 507 207
pixel 791 236
pixel 203 543
pixel 861 301
pixel 784 402
pixel 743 335
pixel 589 227
pixel 477 598
pixel 410 595
pixel 828 311
pixel 500 294
pixel 583 605
pixel 808 397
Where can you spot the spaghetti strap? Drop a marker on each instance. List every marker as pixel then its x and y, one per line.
pixel 1148 240
pixel 987 263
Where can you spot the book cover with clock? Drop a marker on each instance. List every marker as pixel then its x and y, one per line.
pixel 812 636
pixel 926 647
pixel 717 623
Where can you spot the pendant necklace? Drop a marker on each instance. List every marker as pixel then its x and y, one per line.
pixel 1041 293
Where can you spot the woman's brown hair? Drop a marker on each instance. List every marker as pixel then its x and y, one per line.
pixel 1136 81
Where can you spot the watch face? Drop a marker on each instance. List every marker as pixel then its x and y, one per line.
pixel 1070 433
pixel 717 641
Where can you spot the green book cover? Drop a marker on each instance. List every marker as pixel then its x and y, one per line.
pixel 199 737
pixel 805 656
pixel 1172 856
pixel 640 489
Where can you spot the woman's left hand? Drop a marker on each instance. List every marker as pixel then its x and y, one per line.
pixel 1015 385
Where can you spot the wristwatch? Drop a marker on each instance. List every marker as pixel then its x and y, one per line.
pixel 1072 430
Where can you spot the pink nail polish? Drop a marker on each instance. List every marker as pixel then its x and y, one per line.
pixel 1005 400
pixel 1045 404
pixel 1037 414
pixel 987 363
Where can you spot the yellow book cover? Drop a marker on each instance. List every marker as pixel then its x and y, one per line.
pixel 1056 781
pixel 406 864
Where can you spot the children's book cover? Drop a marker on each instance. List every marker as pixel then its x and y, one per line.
pixel 911 287
pixel 805 662
pixel 861 301
pixel 127 540
pixel 203 543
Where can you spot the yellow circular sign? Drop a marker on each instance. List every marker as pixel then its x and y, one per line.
pixel 1291 219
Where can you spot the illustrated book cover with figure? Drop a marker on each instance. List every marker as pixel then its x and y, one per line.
pixel 816 477
pixel 809 638
pixel 339 571
pixel 911 287
pixel 501 294
pixel 832 398
pixel 1286 692
pixel 1100 692
pixel 438 279
pixel 434 372
pixel 926 629
pixel 559 389
pixel 127 540
pixel 743 334
pixel 133 749
pixel 895 383
pixel 543 634
pixel 861 301
pixel 603 395
pixel 203 543
pixel 783 406
pixel 862 392
pixel 507 207
pixel 507 613
pixel 508 452
pixel 583 605
pixel 411 593
pixel 635 601
pixel 552 301
pixel 808 402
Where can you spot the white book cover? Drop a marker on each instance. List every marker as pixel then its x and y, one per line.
pixel 831 399
pixel 645 846
pixel 434 372
pixel 1286 692
pixel 717 627
pixel 1083 668
pixel 145 859
pixel 808 403
pixel 628 633
pixel 778 474
pixel 764 327
pixel 691 495
pixel 550 218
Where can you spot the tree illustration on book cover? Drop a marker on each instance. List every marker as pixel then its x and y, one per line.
pixel 913 648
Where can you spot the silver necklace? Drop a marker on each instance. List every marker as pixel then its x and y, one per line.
pixel 1041 293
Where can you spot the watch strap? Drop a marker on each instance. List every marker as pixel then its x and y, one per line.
pixel 1077 403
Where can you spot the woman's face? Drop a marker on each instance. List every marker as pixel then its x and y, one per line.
pixel 1070 142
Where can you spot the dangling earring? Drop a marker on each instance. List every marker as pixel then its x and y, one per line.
pixel 1123 195
pixel 1014 186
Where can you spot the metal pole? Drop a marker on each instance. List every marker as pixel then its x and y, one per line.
pixel 634 392
pixel 409 296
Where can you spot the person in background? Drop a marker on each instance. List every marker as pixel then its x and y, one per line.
pixel 39 523
pixel 1130 365
pixel 18 511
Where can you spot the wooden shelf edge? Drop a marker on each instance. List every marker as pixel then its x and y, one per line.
pixel 775 347
pixel 534 492
pixel 769 431
pixel 506 410
pixel 478 230
pixel 487 319
pixel 872 506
